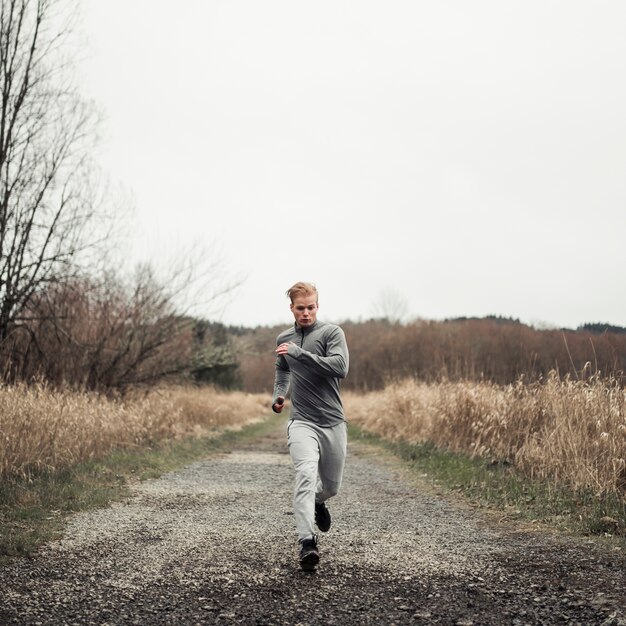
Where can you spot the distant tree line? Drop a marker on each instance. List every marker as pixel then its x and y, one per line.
pixel 498 349
pixel 598 328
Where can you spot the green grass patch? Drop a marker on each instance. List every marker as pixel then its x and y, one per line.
pixel 500 486
pixel 32 511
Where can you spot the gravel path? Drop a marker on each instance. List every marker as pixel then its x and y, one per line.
pixel 214 543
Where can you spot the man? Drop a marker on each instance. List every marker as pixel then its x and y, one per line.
pixel 312 358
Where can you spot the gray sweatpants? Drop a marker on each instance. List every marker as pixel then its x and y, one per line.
pixel 318 456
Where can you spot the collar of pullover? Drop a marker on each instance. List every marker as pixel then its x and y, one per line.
pixel 301 330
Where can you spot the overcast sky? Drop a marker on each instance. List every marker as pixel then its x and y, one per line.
pixel 462 158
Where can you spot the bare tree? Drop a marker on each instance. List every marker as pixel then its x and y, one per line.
pixel 88 325
pixel 392 306
pixel 45 133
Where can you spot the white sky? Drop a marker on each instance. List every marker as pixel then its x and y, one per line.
pixel 467 156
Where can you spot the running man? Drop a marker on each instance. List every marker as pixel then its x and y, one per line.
pixel 312 357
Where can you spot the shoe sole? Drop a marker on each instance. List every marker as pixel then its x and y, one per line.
pixel 309 562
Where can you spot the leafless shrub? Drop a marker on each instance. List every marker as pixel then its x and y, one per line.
pixel 110 334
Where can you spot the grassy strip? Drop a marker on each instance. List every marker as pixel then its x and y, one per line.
pixel 33 511
pixel 501 487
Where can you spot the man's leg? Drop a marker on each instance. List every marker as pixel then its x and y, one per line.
pixel 305 453
pixel 332 456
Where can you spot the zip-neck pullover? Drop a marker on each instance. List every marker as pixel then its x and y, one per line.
pixel 311 370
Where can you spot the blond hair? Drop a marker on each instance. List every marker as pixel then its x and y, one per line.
pixel 301 289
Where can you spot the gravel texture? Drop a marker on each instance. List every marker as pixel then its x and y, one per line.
pixel 215 543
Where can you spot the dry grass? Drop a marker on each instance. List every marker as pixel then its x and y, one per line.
pixel 46 430
pixel 569 432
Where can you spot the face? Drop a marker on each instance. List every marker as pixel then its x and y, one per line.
pixel 304 309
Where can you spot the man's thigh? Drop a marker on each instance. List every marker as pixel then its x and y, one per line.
pixel 333 445
pixel 303 443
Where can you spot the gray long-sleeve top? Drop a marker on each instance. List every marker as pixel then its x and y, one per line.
pixel 311 371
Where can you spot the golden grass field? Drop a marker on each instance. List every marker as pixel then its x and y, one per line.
pixel 569 432
pixel 47 430
pixel 564 431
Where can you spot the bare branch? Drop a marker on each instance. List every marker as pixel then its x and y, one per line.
pixel 45 130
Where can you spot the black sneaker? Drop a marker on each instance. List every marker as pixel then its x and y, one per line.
pixel 322 517
pixel 309 556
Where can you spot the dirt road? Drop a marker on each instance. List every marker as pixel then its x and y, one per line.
pixel 215 543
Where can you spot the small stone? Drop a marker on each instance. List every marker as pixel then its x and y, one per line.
pixel 422 615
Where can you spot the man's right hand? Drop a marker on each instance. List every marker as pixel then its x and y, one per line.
pixel 278 406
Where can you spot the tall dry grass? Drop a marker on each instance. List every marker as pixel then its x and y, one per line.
pixel 42 429
pixel 569 432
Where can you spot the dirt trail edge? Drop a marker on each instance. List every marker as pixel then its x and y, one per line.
pixel 214 543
